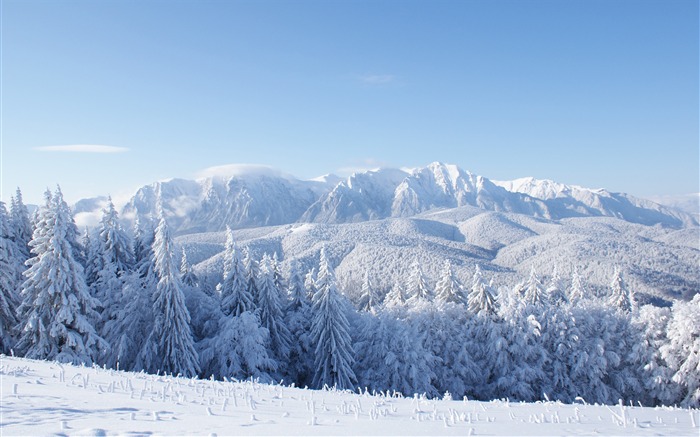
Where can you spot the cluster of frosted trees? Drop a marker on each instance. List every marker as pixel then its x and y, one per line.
pixel 136 304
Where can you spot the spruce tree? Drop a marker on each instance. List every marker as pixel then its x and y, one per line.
pixel 417 288
pixel 577 291
pixel 251 275
pixel 334 354
pixel 170 346
pixel 298 320
pixel 555 289
pixel 481 299
pixel 534 290
pixel 369 299
pixel 271 309
pixel 396 296
pixel 620 296
pixel 8 282
pixel 21 226
pixel 57 308
pixel 448 288
pixel 234 288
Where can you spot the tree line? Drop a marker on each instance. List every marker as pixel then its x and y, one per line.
pixel 135 303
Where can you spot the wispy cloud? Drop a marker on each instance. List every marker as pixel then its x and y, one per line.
pixel 83 148
pixel 378 79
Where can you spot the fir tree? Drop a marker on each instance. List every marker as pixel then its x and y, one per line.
pixel 310 283
pixel 577 291
pixel 57 307
pixel 234 288
pixel 21 226
pixel 534 290
pixel 331 333
pixel 448 288
pixel 271 305
pixel 396 296
pixel 8 282
pixel 417 286
pixel 298 320
pixel 187 275
pixel 620 296
pixel 555 290
pixel 368 295
pixel 170 346
pixel 481 299
pixel 251 275
pixel 116 245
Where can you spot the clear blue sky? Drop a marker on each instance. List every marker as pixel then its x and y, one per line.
pixel 595 93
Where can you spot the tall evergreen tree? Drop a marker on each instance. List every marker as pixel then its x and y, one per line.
pixel 116 244
pixel 8 282
pixel 417 287
pixel 368 295
pixel 271 308
pixel 555 290
pixel 252 272
pixel 481 299
pixel 577 291
pixel 298 320
pixel 620 296
pixel 396 296
pixel 334 354
pixel 448 288
pixel 310 283
pixel 187 274
pixel 234 288
pixel 57 307
pixel 21 225
pixel 170 346
pixel 534 290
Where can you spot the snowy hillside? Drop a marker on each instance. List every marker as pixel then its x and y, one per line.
pixel 657 262
pixel 48 398
pixel 251 196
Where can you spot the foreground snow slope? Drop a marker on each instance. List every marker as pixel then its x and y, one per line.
pixel 47 398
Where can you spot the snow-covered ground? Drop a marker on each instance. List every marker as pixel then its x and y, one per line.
pixel 47 398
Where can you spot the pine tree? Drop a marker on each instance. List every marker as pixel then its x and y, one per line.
pixel 271 305
pixel 277 276
pixel 57 308
pixel 310 283
pixel 481 299
pixel 251 275
pixel 448 288
pixel 187 275
pixel 170 346
pixel 21 226
pixel 417 286
pixel 555 290
pixel 115 243
pixel 577 292
pixel 396 296
pixel 298 320
pixel 368 296
pixel 682 352
pixel 93 259
pixel 534 290
pixel 8 282
pixel 234 288
pixel 620 296
pixel 331 333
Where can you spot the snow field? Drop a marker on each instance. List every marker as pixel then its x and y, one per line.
pixel 48 398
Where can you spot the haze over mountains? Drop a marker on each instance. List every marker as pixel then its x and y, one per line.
pixel 251 196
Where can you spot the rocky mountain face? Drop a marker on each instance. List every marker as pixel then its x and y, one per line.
pixel 253 199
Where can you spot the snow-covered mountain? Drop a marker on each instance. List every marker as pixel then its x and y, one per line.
pixel 574 201
pixel 249 196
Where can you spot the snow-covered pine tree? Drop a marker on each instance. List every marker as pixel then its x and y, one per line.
pixel 277 276
pixel 271 305
pixel 21 226
pixel 93 259
pixel 57 307
pixel 170 346
pixel 234 288
pixel 252 271
pixel 555 290
pixel 8 283
pixel 369 299
pixel 620 296
pixel 396 296
pixel 448 288
pixel 481 299
pixel 187 275
pixel 310 283
pixel 298 320
pixel 334 355
pixel 391 356
pixel 682 352
pixel 577 291
pixel 534 293
pixel 238 350
pixel 417 287
pixel 116 244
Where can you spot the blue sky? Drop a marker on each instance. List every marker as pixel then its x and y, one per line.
pixel 593 93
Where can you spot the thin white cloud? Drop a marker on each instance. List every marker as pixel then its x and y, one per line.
pixel 378 79
pixel 83 148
